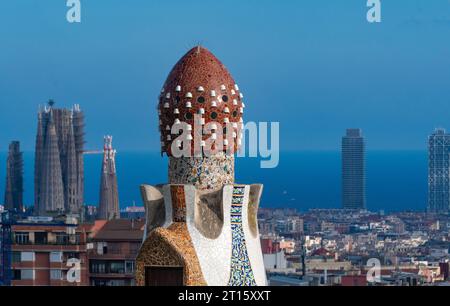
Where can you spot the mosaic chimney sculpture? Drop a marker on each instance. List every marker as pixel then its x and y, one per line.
pixel 201 227
pixel 109 195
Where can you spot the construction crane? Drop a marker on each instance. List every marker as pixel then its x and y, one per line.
pixel 88 152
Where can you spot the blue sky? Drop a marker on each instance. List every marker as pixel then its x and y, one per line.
pixel 316 66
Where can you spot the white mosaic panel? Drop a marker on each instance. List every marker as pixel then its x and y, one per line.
pixel 213 254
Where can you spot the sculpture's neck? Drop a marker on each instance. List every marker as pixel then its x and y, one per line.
pixel 207 173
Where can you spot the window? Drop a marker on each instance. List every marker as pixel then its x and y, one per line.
pixel 62 238
pixel 105 267
pixel 129 267
pixel 235 113
pixel 16 275
pixel 27 274
pixel 213 115
pixel 117 267
pixel 55 274
pixel 99 283
pixel 225 98
pixel 15 257
pixel 72 255
pixel 40 237
pixel 116 282
pixel 22 238
pixel 201 99
pixel 97 267
pixel 55 256
pixel 76 238
pixel 188 116
pixel 27 256
pixel 102 248
pixel 110 282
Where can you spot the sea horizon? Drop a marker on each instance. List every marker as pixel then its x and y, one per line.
pixel 396 180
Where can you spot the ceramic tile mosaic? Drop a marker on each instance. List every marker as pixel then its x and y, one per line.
pixel 252 241
pixel 198 84
pixel 214 254
pixel 178 203
pixel 170 246
pixel 204 173
pixel 200 220
pixel 241 270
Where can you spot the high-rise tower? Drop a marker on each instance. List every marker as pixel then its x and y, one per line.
pixel 109 197
pixel 14 178
pixel 202 227
pixel 59 160
pixel 438 172
pixel 353 170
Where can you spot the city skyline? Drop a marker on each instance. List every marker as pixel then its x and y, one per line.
pixel 321 171
pixel 296 200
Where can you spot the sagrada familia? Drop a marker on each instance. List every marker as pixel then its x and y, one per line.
pixel 59 170
pixel 109 192
pixel 202 227
pixel 59 166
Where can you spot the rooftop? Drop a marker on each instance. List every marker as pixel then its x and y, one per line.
pixel 120 230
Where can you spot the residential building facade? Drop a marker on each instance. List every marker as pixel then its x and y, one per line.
pixel 112 252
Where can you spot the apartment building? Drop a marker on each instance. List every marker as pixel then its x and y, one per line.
pixel 112 251
pixel 48 252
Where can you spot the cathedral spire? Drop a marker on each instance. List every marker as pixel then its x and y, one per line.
pixel 52 195
pixel 14 178
pixel 109 198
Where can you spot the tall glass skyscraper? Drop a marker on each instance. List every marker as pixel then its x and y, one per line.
pixel 438 172
pixel 353 170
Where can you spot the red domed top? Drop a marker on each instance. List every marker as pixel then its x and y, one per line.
pixel 200 84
